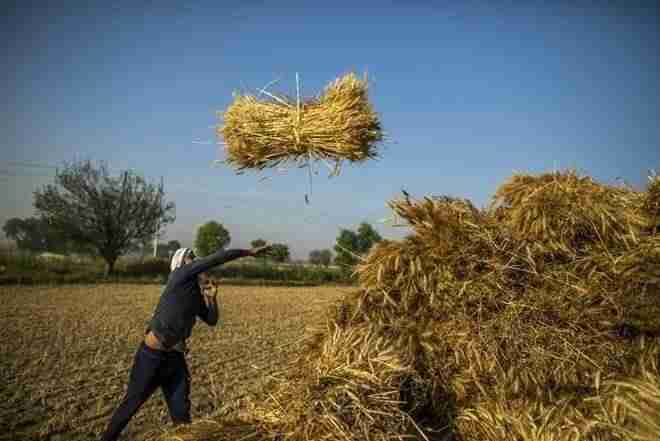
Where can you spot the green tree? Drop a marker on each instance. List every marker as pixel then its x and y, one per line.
pixel 315 257
pixel 109 214
pixel 37 235
pixel 367 237
pixel 350 246
pixel 346 248
pixel 143 246
pixel 258 243
pixel 325 257
pixel 280 252
pixel 171 247
pixel 211 236
pixel 320 257
pixel 30 234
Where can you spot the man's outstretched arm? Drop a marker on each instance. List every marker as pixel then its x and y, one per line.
pixel 218 258
pixel 205 263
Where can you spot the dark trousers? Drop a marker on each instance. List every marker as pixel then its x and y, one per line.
pixel 151 369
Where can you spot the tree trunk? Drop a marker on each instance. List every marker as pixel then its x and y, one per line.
pixel 109 265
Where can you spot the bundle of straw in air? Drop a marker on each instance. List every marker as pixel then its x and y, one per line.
pixel 266 130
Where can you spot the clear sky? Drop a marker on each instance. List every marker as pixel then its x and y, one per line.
pixel 468 92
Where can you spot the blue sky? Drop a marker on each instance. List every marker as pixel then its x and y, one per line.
pixel 468 92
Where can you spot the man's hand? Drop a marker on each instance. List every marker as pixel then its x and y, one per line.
pixel 261 251
pixel 209 293
pixel 210 290
pixel 207 285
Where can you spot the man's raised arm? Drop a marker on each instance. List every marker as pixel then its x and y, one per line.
pixel 218 258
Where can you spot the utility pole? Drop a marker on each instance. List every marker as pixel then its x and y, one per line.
pixel 156 241
pixel 157 227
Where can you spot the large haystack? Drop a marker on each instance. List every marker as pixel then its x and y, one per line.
pixel 338 125
pixel 509 316
pixel 536 319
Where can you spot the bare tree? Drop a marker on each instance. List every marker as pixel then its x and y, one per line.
pixel 111 214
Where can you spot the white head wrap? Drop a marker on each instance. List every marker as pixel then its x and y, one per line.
pixel 179 257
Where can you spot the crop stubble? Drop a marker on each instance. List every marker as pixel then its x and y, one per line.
pixel 66 352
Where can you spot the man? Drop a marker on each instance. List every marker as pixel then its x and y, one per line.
pixel 160 360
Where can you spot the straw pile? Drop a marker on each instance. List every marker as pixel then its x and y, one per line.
pixel 338 125
pixel 210 430
pixel 349 385
pixel 535 319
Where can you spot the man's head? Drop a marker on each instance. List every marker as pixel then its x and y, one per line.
pixel 182 256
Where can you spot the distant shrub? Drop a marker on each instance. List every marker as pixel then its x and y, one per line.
pixel 18 267
pixel 280 273
pixel 20 260
pixel 147 267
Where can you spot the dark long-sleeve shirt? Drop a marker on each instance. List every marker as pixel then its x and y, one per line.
pixel 181 301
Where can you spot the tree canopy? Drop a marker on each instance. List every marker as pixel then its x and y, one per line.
pixel 351 245
pixel 211 237
pixel 320 257
pixel 326 257
pixel 36 235
pixel 258 243
pixel 173 245
pixel 315 257
pixel 280 252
